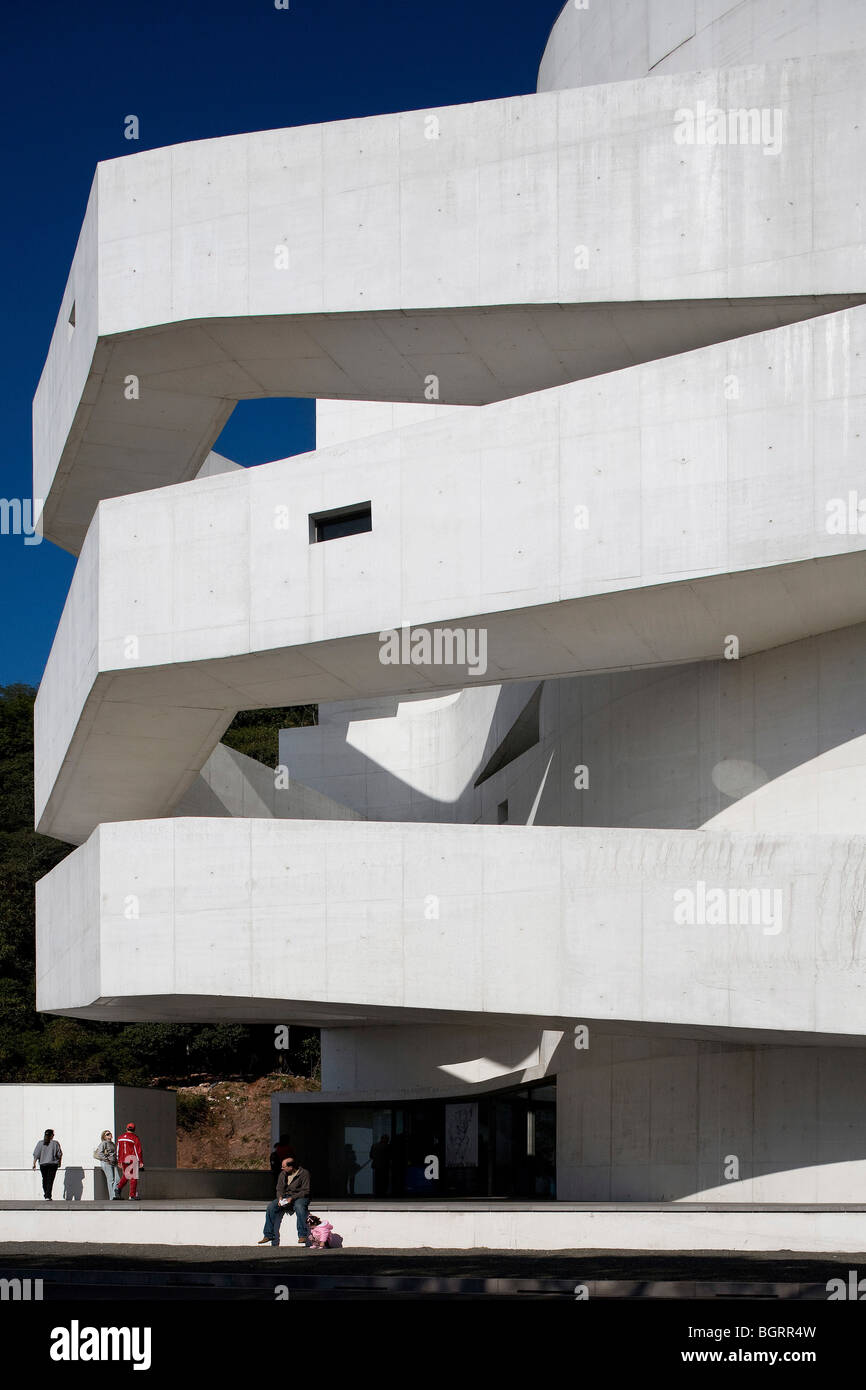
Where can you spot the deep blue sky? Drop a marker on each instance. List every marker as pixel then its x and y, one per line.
pixel 73 71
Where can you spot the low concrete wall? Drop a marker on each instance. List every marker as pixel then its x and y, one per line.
pixel 72 1184
pixel 676 1227
pixel 237 1184
pixel 88 1184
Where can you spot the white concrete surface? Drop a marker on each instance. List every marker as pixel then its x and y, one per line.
pixel 399 759
pixel 702 520
pixel 321 921
pixel 365 260
pixel 231 784
pixel 155 1184
pixel 622 39
pixel 337 422
pixel 72 1184
pixel 217 463
pixel 663 1119
pixel 426 1059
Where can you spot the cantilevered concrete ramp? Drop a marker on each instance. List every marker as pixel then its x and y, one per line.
pixel 348 922
pixel 479 252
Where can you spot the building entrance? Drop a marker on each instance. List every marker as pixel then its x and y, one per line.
pixel 501 1144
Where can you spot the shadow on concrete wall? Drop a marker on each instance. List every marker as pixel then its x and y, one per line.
pixel 73 1184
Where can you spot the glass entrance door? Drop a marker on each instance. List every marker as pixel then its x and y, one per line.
pixel 502 1144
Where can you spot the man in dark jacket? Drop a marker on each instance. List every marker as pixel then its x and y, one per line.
pixel 293 1194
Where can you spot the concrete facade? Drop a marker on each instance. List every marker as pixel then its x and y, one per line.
pixel 595 360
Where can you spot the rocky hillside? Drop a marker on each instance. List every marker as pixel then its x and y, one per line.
pixel 227 1124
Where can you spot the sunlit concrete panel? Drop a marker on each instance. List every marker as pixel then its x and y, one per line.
pixel 622 39
pixel 365 260
pixel 404 759
pixel 423 1059
pixel 231 784
pixel 320 922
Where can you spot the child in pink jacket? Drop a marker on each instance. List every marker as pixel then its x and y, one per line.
pixel 320 1232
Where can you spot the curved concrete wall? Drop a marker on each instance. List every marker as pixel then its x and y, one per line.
pixel 407 759
pixel 619 40
pixel 761 743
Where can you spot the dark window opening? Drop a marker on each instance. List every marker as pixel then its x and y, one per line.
pixel 496 1144
pixel 502 813
pixel 341 521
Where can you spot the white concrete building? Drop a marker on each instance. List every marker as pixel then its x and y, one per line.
pixel 572 872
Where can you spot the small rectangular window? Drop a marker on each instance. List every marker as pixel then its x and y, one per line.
pixel 341 521
pixel 502 813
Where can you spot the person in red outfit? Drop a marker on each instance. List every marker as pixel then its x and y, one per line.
pixel 130 1160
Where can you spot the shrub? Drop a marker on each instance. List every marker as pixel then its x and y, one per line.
pixel 193 1110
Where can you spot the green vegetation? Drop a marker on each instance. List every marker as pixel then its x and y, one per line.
pixel 40 1047
pixel 256 731
pixel 192 1110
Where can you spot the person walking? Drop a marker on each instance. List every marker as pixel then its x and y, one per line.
pixel 49 1155
pixel 293 1195
pixel 131 1161
pixel 105 1154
